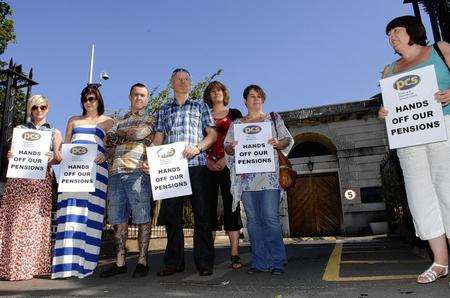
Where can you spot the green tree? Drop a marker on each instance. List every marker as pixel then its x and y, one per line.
pixel 7 36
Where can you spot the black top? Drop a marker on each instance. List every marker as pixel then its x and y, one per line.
pixel 234 114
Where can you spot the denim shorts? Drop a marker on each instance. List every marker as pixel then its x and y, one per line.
pixel 129 194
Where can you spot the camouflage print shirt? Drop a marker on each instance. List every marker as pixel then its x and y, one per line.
pixel 129 151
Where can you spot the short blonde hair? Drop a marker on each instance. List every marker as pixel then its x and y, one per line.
pixel 36 100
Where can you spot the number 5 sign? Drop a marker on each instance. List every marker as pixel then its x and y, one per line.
pixel 351 195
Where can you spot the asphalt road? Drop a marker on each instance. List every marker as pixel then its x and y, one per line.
pixel 375 268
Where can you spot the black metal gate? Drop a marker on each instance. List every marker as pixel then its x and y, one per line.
pixel 13 80
pixel 394 193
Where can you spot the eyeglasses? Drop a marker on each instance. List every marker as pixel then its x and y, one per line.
pixel 89 98
pixel 42 108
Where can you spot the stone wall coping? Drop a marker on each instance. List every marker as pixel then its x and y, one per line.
pixel 329 112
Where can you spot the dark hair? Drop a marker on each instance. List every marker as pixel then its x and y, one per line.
pixel 177 70
pixel 215 85
pixel 139 85
pixel 93 89
pixel 413 26
pixel 255 88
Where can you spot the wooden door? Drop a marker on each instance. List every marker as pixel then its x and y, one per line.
pixel 315 206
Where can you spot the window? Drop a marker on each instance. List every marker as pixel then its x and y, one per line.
pixel 371 194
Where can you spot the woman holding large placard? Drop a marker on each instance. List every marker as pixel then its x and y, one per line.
pixel 217 98
pixel 425 167
pixel 26 209
pixel 80 215
pixel 260 192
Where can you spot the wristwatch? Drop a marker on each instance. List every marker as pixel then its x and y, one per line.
pixel 199 148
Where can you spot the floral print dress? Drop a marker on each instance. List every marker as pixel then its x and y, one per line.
pixel 256 181
pixel 25 224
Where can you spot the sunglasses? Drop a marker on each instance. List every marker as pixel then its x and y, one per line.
pixel 89 98
pixel 42 108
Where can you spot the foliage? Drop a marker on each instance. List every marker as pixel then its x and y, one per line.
pixel 188 216
pixel 8 36
pixel 19 106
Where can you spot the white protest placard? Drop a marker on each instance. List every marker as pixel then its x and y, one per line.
pixel 252 153
pixel 29 148
pixel 169 171
pixel 78 170
pixel 414 117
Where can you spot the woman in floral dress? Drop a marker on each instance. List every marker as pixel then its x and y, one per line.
pixel 26 209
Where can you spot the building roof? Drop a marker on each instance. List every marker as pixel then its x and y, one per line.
pixel 333 113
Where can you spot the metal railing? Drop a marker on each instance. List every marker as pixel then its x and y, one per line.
pixel 394 193
pixel 157 231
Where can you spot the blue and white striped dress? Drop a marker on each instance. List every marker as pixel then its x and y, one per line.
pixel 80 217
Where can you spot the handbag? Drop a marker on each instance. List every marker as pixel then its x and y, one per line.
pixel 286 174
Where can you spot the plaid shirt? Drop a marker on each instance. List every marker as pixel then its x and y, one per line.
pixel 129 151
pixel 186 123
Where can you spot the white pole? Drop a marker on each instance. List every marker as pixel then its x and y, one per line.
pixel 91 67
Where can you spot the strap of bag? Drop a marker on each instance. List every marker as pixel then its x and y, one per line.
pixel 283 161
pixel 272 116
pixel 438 50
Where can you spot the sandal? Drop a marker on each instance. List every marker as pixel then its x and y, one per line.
pixel 236 262
pixel 430 275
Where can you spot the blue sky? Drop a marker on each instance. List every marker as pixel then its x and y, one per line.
pixel 303 53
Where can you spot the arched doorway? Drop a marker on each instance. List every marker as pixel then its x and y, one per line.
pixel 312 144
pixel 314 204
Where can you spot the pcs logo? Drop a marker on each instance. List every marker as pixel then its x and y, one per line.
pixel 31 136
pixel 252 129
pixel 78 150
pixel 165 152
pixel 406 82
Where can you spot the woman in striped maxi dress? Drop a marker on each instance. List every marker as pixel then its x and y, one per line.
pixel 80 215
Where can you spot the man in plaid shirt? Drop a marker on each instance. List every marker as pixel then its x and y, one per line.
pixel 185 120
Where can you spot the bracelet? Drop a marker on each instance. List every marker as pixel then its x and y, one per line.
pixel 199 148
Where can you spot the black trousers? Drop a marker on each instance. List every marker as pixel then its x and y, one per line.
pixel 232 220
pixel 172 210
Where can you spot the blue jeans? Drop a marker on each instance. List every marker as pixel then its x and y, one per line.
pixel 264 229
pixel 129 194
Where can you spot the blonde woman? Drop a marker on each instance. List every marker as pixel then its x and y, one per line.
pixel 26 207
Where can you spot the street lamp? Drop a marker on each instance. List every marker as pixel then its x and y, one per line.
pixel 103 76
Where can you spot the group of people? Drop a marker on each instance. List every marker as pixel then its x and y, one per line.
pixel 207 129
pixel 123 188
